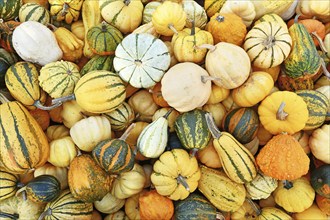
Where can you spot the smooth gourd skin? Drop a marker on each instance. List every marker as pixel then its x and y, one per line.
pixel 8 186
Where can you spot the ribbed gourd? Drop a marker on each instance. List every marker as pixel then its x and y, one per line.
pixel 192 130
pixel 121 117
pixel 261 186
pixel 237 161
pixel 34 12
pixel 9 184
pixel 153 138
pixel 98 62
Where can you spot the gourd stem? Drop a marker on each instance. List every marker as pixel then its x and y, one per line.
pixel 207 78
pixel 325 70
pixel 135 151
pixel 45 213
pixel 206 46
pixel 63 99
pixel 171 26
pixel 52 27
pixel 65 9
pixel 322 46
pixel 220 18
pixel 127 2
pixel 254 206
pixel 281 114
pixel 194 152
pixel 216 134
pixel 287 184
pixel 168 113
pixel 219 216
pixel 127 132
pixel 8 215
pixel 42 107
pixel 21 190
pixel 3 98
pixel 78 152
pixel 295 20
pixel 182 181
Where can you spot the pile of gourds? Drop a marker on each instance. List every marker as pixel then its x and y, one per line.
pixel 139 109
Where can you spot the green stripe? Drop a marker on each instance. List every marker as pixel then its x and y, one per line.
pixel 95 75
pixel 31 12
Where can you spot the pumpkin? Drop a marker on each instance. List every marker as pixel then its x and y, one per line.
pixel 209 156
pixel 88 132
pixel 57 131
pixel 189 90
pixel 145 65
pixel 319 143
pixel 42 117
pixel 283 158
pixel 222 192
pixel 9 10
pixel 34 12
pixel 268 44
pixel 6 33
pixel 23 144
pixel 195 206
pixel 229 63
pixel 66 206
pixel 303 138
pixel 272 17
pixel 218 112
pixel 253 90
pixel 71 113
pixel 185 44
pixel 192 131
pixel 129 183
pixel 126 15
pixel 320 180
pixel 109 204
pixel 64 10
pixel 35 43
pixel 196 15
pixel 155 206
pixel 169 18
pixel 323 203
pixel 132 209
pixel 261 187
pixel 148 10
pixel 221 26
pixel 283 111
pixel 295 196
pixel 175 174
pixel 243 9
pixel 60 173
pixel 143 104
pixel 9 184
pixel 242 123
pixel 62 151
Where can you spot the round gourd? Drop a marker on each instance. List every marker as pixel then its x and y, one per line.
pixel 98 62
pixel 9 184
pixel 196 15
pixel 272 212
pixel 213 6
pixel 326 91
pixel 183 86
pixel 104 38
pixel 169 18
pixel 67 11
pixel 57 131
pixel 148 10
pixel 59 78
pixel 243 9
pixel 144 64
pixel 229 63
pixel 60 173
pixel 319 143
pixel 246 211
pixel 320 180
pixel 268 44
pixel 157 95
pixel 313 212
pixel 143 104
pixel 253 90
pixel 34 12
pixel 62 151
pixel 227 28
pixel 218 94
pixel 272 17
pixel 209 156
pixel 261 187
pixel 121 117
pixel 218 112
pixel 242 123
pixel 9 10
pixel 283 111
pixel 109 204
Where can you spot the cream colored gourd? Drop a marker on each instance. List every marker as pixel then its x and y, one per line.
pixel 319 143
pixel 261 187
pixel 282 8
pixel 195 13
pixel 184 86
pixel 244 9
pixel 318 9
pixel 35 43
pixel 62 151
pixel 109 204
pixel 326 90
pixel 87 132
pixel 57 131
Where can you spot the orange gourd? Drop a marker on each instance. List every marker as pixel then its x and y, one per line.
pixel 42 117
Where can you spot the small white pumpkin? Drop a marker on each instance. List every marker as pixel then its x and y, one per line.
pixel 243 8
pixel 109 204
pixel 35 43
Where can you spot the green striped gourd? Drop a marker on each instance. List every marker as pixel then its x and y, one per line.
pixel 9 184
pixel 268 213
pixel 121 117
pixel 223 193
pixel 148 10
pixel 23 144
pixel 59 78
pixel 195 206
pixel 67 207
pixel 145 63
pixel 242 123
pixel 192 130
pixel 9 9
pixel 22 82
pixel 6 60
pixel 115 155
pixel 43 188
pixel 34 12
pixel 104 38
pixel 303 59
pixel 317 105
pixel 236 160
pixel 98 62
pixel 153 138
pixel 260 187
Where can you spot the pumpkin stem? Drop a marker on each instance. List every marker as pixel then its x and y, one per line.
pixel 254 206
pixel 220 18
pixel 3 98
pixel 216 134
pixel 127 2
pixel 287 184
pixel 78 152
pixel 296 18
pixel 40 106
pixel 322 46
pixel 168 113
pixel 63 99
pixel 52 27
pixel 182 181
pixel 171 26
pixel 13 216
pixel 65 9
pixel 21 190
pixel 207 78
pixel 45 213
pixel 193 152
pixel 281 114
pixel 127 132
pixel 206 46
pixel 325 70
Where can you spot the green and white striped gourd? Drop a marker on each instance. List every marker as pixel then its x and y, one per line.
pixel 34 12
pixel 148 10
pixel 260 187
pixel 9 184
pixel 121 117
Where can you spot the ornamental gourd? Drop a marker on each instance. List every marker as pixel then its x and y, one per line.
pixel 98 62
pixel 9 184
pixel 320 180
pixel 148 10
pixel 175 174
pixel 9 10
pixel 35 43
pixel 145 65
pixel 121 117
pixel 64 10
pixel 109 204
pixel 6 33
pixel 60 173
pixel 244 9
pixel 34 12
pixel 196 15
pixel 6 60
pixel 261 187
pixel 62 151
pixel 319 143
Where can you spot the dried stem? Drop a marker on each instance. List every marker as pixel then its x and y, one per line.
pixel 216 134
pixel 171 26
pixel 206 46
pixel 183 182
pixel 41 106
pixel 281 114
pixel 127 132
